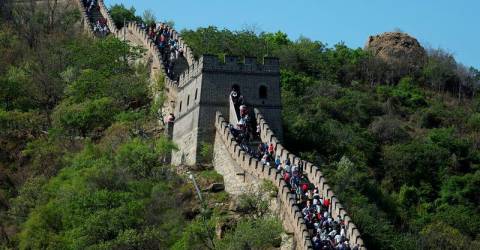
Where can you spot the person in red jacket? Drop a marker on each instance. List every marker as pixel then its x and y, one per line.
pixel 326 202
pixel 286 177
pixel 304 187
pixel 271 149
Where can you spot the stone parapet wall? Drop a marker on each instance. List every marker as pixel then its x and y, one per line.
pixel 106 15
pixel 187 51
pixel 192 72
pixel 232 64
pixel 249 65
pixel 315 176
pixel 85 21
pixel 292 216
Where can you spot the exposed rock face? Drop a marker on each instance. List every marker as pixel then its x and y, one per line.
pixel 401 52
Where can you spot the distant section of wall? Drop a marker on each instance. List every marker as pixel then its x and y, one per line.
pixel 315 176
pixel 291 215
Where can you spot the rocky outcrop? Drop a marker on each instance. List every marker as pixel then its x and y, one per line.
pixel 400 51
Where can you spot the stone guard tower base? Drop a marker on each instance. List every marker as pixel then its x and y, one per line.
pixel 204 89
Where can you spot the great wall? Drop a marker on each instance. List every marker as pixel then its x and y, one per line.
pixel 200 98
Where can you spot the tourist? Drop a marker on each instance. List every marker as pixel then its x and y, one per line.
pixel 234 96
pixel 271 149
pixel 91 6
pixel 171 118
pixel 278 163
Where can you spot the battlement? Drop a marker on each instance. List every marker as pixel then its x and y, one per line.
pixel 230 64
pixel 106 14
pixel 268 65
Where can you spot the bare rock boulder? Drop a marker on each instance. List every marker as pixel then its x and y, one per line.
pixel 401 52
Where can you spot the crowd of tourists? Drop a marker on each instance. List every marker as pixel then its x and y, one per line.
pixel 159 33
pixel 162 36
pixel 100 26
pixel 327 232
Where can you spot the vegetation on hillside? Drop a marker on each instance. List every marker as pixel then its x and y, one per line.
pixel 81 152
pixel 403 158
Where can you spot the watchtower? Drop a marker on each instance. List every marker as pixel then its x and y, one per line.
pixel 204 88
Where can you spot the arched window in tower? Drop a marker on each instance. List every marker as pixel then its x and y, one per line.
pixel 262 92
pixel 180 108
pixel 196 94
pixel 188 100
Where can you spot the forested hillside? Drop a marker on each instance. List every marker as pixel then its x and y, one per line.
pixel 401 148
pixel 82 149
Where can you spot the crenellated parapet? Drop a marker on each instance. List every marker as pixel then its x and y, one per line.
pixel 291 214
pixel 187 51
pixel 85 21
pixel 192 72
pixel 108 17
pixel 315 176
pixel 236 64
pixel 231 65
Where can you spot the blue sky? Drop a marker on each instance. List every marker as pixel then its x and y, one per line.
pixel 453 25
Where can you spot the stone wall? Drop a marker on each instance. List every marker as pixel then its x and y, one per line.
pixel 315 176
pixel 187 124
pixel 106 15
pixel 84 20
pixel 236 180
pixel 185 136
pixel 289 212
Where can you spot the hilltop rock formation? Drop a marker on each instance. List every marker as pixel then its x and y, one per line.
pixel 400 51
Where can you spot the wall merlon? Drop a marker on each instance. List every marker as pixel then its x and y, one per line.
pixel 330 193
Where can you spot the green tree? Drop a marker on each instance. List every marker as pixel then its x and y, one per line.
pixel 441 236
pixel 120 15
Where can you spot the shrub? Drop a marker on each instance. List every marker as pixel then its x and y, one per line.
pixel 388 130
pixel 474 122
pixel 439 235
pixel 120 14
pixel 137 157
pixel 83 118
pixel 252 234
pixel 408 196
pixel 206 152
